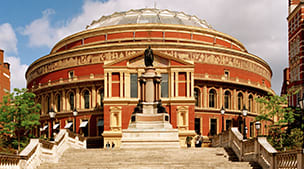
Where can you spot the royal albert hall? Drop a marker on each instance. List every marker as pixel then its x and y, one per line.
pixel 95 72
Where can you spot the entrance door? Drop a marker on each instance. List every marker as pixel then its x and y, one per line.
pixel 213 127
pixel 197 125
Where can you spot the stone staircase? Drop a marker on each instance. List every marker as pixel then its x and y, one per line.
pixel 191 158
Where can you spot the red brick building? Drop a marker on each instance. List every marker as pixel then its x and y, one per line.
pixel 4 76
pixel 96 71
pixel 293 75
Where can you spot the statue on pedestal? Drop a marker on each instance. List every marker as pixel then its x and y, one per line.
pixel 149 58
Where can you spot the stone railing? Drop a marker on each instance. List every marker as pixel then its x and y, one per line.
pixel 259 150
pixel 39 151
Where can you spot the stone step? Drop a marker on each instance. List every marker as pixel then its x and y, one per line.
pixel 183 158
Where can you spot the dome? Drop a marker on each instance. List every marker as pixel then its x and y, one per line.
pixel 148 15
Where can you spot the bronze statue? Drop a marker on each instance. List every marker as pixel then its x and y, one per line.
pixel 149 58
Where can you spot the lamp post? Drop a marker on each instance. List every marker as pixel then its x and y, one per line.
pixel 75 113
pixel 222 113
pixel 258 127
pixel 244 111
pixel 52 114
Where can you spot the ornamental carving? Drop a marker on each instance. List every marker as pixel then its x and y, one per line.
pixel 201 57
pixel 222 60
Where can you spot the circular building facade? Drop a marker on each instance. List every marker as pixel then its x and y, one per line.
pixel 95 72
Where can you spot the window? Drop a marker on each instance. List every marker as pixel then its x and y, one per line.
pixel 197 96
pixel 250 103
pixel 134 85
pixel 86 99
pixel 213 127
pixel 101 94
pixel 212 98
pixel 226 74
pixel 58 102
pixel 240 101
pixel 227 100
pixel 71 101
pixel 251 129
pixel 228 124
pixel 71 74
pixel 164 85
pixel 84 129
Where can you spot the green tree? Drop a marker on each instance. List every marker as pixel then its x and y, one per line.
pixel 18 113
pixel 274 106
pixel 285 131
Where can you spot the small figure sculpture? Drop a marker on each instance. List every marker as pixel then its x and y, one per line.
pixel 138 108
pixel 160 108
pixel 149 58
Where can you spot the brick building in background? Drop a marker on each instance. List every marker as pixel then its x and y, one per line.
pixel 294 74
pixel 96 72
pixel 4 76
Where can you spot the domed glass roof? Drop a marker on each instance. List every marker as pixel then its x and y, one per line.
pixel 149 15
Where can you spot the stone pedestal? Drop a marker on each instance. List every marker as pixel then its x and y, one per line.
pixel 150 127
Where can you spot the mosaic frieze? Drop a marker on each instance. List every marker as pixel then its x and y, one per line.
pixel 109 56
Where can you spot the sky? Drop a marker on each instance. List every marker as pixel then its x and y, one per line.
pixel 29 29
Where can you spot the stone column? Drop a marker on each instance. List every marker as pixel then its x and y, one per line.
pixel 220 98
pixel 127 85
pixel 234 99
pixel 246 100
pixel 105 85
pixel 121 84
pixel 110 84
pixel 205 96
pixel 172 84
pixel 93 96
pixel 176 83
pixel 63 101
pixel 77 99
pixel 52 101
pixel 188 83
pixel 192 84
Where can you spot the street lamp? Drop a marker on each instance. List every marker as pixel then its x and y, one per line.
pixel 75 113
pixel 244 111
pixel 222 113
pixel 258 127
pixel 52 115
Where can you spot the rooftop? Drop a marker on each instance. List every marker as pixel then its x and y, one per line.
pixel 149 15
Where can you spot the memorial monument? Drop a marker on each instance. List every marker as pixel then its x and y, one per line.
pixel 150 126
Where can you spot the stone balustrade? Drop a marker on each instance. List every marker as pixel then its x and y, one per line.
pixel 38 151
pixel 259 150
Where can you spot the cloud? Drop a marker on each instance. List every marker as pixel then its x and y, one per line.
pixel 8 40
pixel 17 72
pixel 260 25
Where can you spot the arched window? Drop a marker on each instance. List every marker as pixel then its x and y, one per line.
pixel 212 98
pixel 58 105
pixel 101 94
pixel 227 100
pixel 71 101
pixel 197 97
pixel 250 103
pixel 86 96
pixel 240 101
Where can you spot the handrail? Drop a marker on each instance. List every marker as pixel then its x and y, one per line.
pixel 6 159
pixel 31 157
pixel 259 150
